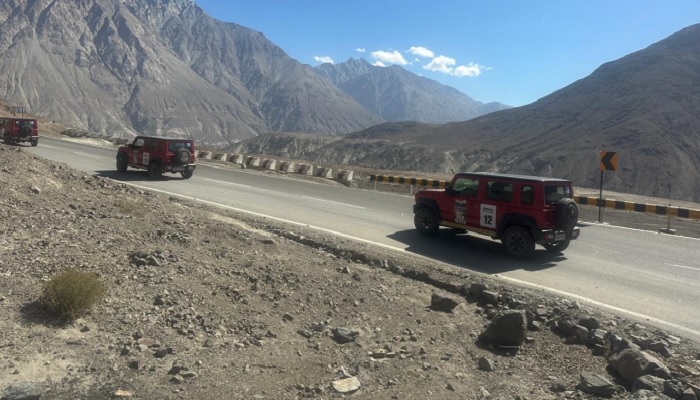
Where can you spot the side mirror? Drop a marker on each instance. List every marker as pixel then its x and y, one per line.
pixel 449 190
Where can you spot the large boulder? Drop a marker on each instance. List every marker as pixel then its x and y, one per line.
pixel 632 363
pixel 506 329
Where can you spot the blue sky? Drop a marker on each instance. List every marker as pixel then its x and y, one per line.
pixel 514 52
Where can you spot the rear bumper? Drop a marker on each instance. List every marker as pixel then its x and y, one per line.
pixel 180 168
pixel 553 236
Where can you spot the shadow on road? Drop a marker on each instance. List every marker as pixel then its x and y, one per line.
pixel 473 252
pixel 136 176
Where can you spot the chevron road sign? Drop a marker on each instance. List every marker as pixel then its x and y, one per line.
pixel 608 161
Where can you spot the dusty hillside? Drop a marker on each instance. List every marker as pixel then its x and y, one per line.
pixel 204 303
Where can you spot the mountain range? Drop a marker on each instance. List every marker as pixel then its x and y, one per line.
pixel 126 67
pixel 399 95
pixel 644 106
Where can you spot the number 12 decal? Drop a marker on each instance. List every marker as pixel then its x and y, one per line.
pixel 488 216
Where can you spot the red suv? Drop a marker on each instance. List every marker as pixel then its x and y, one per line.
pixel 521 211
pixel 158 155
pixel 16 130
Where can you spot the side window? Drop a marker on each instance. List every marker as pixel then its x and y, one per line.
pixel 499 191
pixel 527 195
pixel 151 145
pixel 138 142
pixel 466 187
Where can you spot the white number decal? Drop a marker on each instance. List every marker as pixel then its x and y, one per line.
pixel 145 158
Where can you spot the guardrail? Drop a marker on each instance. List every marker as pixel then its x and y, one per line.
pixel 670 211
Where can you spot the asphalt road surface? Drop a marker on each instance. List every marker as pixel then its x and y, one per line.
pixel 642 274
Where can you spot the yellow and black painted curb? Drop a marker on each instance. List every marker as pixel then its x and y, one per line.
pixel 402 180
pixel 638 207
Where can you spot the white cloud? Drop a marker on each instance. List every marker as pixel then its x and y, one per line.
pixel 441 64
pixel 445 65
pixel 421 52
pixel 324 60
pixel 389 58
pixel 378 64
pixel 360 50
pixel 470 70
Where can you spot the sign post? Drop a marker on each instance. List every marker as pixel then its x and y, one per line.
pixel 608 162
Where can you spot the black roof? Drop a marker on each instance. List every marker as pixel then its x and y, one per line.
pixel 161 138
pixel 512 177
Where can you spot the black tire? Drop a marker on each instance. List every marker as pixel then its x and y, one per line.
pixel 557 247
pixel 6 139
pixel 426 222
pixel 182 156
pixel 518 242
pixel 122 163
pixel 35 142
pixel 25 131
pixel 187 174
pixel 154 170
pixel 566 215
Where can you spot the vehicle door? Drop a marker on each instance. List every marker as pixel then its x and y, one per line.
pixel 496 202
pixel 463 200
pixel 136 151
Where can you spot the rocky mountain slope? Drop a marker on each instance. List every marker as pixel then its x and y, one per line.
pixel 399 95
pixel 160 66
pixel 644 106
pixel 206 303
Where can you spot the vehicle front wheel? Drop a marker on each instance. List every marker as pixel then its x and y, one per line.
pixel 426 222
pixel 35 142
pixel 122 163
pixel 557 247
pixel 154 170
pixel 187 174
pixel 518 242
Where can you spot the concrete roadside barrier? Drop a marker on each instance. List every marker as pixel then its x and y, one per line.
pixel 324 172
pixel 252 161
pixel 345 176
pixel 269 163
pixel 305 169
pixel 286 166
pixel 220 157
pixel 205 155
pixel 236 159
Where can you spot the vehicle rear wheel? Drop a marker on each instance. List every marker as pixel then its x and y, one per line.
pixel 122 163
pixel 518 242
pixel 187 174
pixel 154 170
pixel 426 222
pixel 557 247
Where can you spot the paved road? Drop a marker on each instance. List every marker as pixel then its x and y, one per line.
pixel 638 272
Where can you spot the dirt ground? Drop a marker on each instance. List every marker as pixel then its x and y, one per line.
pixel 206 303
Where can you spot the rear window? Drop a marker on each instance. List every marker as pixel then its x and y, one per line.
pixel 175 146
pixel 24 122
pixel 552 194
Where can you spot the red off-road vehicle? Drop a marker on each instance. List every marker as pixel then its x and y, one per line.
pixel 158 155
pixel 16 130
pixel 521 211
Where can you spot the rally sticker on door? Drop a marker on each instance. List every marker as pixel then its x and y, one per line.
pixel 460 211
pixel 145 158
pixel 488 216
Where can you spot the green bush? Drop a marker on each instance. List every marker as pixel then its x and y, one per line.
pixel 71 293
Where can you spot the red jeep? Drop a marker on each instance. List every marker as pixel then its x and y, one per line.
pixel 521 211
pixel 16 130
pixel 158 155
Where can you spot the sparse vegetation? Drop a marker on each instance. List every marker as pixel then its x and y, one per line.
pixel 130 207
pixel 72 293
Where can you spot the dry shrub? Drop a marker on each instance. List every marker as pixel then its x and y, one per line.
pixel 130 207
pixel 72 293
